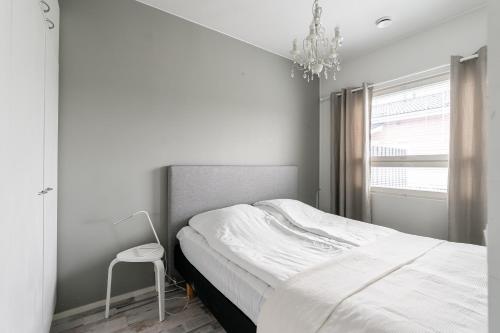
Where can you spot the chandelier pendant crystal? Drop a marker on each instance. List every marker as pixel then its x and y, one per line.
pixel 319 53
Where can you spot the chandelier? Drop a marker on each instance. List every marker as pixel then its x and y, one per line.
pixel 319 53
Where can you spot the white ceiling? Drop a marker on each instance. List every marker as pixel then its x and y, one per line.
pixel 272 24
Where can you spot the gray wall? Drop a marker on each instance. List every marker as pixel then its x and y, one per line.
pixel 141 89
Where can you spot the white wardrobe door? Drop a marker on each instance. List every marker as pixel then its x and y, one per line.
pixel 6 150
pixel 22 172
pixel 50 161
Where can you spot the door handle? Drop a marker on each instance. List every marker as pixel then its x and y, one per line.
pixel 45 191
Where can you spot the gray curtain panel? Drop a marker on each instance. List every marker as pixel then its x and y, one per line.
pixel 467 168
pixel 350 165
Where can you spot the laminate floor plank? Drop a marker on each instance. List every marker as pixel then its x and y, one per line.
pixel 140 314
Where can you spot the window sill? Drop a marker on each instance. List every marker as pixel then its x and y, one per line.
pixel 410 193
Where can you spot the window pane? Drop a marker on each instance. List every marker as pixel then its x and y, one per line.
pixel 412 122
pixel 411 178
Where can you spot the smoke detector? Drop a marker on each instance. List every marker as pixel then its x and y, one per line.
pixel 383 22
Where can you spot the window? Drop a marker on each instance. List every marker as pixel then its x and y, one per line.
pixel 410 130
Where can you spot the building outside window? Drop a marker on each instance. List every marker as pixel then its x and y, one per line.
pixel 410 129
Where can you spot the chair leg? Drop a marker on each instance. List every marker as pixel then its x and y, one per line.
pixel 160 286
pixel 156 280
pixel 108 291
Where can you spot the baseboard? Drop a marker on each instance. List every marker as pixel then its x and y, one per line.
pixel 100 303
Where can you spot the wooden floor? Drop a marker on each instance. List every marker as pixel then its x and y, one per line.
pixel 140 314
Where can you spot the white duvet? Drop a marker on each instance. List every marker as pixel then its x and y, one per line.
pixel 401 283
pixel 332 274
pixel 258 243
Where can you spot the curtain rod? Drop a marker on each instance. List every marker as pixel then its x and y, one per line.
pixel 463 59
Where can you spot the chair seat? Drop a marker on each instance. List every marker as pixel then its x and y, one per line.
pixel 153 253
pixel 142 253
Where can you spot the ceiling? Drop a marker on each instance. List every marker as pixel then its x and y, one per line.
pixel 273 24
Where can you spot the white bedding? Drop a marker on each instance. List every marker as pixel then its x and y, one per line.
pixel 402 283
pixel 336 275
pixel 259 244
pixel 246 291
pixel 239 225
pixel 328 225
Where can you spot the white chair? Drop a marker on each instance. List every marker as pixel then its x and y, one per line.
pixel 153 253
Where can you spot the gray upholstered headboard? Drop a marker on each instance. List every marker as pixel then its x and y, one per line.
pixel 194 189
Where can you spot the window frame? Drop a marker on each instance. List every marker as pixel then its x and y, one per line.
pixel 407 161
pixel 407 193
pixel 424 161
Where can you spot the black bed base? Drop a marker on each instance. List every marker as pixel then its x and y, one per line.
pixel 231 318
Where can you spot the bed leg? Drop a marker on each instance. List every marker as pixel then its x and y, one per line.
pixel 189 291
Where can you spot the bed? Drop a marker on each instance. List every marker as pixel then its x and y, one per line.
pixel 292 268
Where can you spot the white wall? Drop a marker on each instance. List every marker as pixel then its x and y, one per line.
pixel 494 166
pixel 422 51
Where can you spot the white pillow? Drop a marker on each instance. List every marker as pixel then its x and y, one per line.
pixel 274 212
pixel 327 225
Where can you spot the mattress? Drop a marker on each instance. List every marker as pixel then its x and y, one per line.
pixel 243 289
